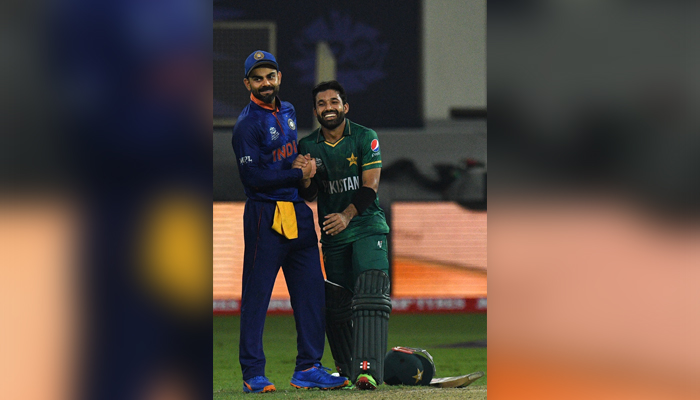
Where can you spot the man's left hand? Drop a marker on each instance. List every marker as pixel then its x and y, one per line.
pixel 335 223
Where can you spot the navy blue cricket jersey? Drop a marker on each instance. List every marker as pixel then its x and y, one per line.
pixel 265 143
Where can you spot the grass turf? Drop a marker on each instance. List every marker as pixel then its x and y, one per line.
pixel 430 332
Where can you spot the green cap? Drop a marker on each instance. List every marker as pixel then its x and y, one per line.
pixel 408 366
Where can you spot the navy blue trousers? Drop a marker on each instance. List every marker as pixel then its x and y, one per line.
pixel 265 252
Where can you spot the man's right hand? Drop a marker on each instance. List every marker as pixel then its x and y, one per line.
pixel 309 170
pixel 307 166
pixel 300 161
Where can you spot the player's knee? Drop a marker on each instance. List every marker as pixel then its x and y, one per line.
pixel 372 290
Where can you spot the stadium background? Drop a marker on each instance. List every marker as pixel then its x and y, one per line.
pixel 420 86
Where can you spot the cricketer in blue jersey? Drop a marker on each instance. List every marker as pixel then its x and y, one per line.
pixel 278 231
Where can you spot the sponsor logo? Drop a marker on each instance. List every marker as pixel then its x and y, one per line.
pixel 319 164
pixel 244 160
pixel 280 305
pixel 341 185
pixel 226 305
pixel 375 145
pixel 399 305
pixel 291 124
pixel 274 133
pixel 421 304
pixel 285 151
pixel 481 304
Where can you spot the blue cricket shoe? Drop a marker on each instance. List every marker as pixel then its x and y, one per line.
pixel 258 384
pixel 318 377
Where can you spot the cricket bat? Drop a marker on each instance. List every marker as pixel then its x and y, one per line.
pixel 456 381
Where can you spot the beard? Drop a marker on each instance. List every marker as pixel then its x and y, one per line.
pixel 267 98
pixel 331 123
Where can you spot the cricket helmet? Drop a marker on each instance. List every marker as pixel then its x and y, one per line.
pixel 408 366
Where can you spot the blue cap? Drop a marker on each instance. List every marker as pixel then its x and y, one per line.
pixel 257 58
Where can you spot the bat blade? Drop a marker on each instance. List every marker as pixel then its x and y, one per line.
pixel 456 381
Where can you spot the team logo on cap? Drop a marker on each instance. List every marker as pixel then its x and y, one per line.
pixel 375 145
pixel 291 124
pixel 258 55
pixel 418 376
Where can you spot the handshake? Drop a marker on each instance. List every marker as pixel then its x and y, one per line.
pixel 306 164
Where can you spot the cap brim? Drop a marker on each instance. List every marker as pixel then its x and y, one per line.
pixel 261 64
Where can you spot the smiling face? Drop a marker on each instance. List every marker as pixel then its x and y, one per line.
pixel 264 83
pixel 329 109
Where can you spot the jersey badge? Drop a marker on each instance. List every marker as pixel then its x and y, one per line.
pixel 258 55
pixel 274 133
pixel 352 159
pixel 291 124
pixel 319 164
pixel 375 145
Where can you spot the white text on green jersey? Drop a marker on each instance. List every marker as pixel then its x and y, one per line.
pixel 341 185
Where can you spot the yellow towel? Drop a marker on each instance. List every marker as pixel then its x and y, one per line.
pixel 285 221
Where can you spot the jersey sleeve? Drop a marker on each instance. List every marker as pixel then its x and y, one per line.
pixel 303 148
pixel 247 141
pixel 371 153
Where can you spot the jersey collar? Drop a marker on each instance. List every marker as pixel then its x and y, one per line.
pixel 346 132
pixel 266 106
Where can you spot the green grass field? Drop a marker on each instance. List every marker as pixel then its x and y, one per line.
pixel 440 334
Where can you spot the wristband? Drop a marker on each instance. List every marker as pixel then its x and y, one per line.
pixel 310 192
pixel 363 198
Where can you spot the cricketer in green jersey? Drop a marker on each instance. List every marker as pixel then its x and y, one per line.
pixel 355 253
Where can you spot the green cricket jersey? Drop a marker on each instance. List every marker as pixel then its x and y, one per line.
pixel 339 169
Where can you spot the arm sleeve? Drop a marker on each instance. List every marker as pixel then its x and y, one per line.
pixel 371 154
pixel 310 193
pixel 246 144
